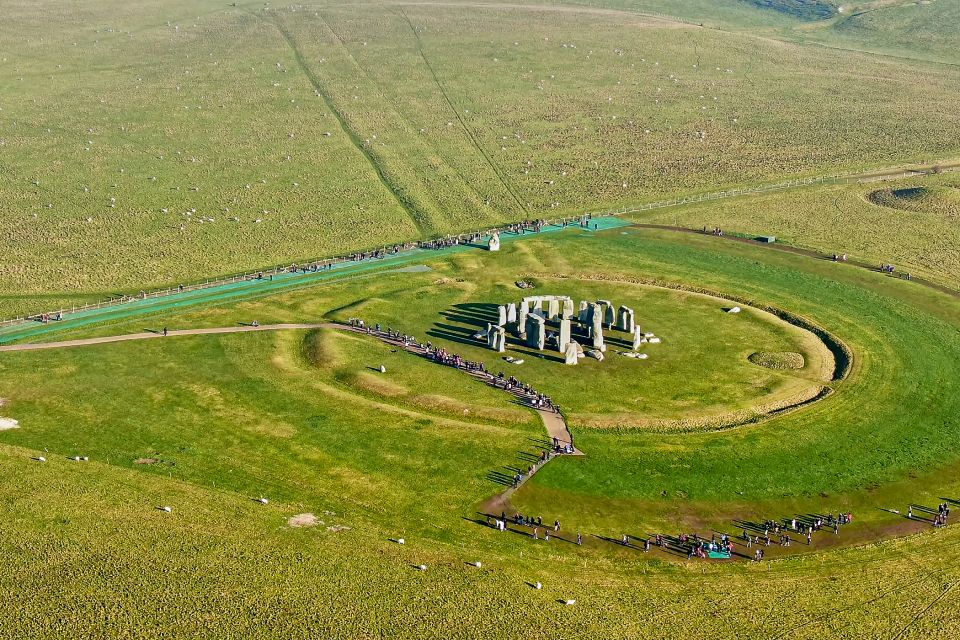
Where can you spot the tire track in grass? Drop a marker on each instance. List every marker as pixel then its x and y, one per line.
pixel 827 616
pixel 470 134
pixel 398 114
pixel 417 216
pixel 924 611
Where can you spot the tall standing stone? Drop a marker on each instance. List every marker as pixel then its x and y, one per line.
pixel 584 314
pixel 596 312
pixel 570 353
pixel 500 338
pixel 553 308
pixel 637 338
pixel 536 333
pixel 501 315
pixel 512 312
pixel 625 320
pixel 564 338
pixel 592 310
pixel 522 317
pixel 609 315
pixel 567 307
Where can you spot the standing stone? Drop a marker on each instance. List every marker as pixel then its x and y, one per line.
pixel 609 315
pixel 500 339
pixel 584 314
pixel 564 338
pixel 491 333
pixel 536 333
pixel 522 317
pixel 637 338
pixel 501 315
pixel 494 243
pixel 625 321
pixel 567 307
pixel 553 308
pixel 570 353
pixel 596 314
pixel 512 312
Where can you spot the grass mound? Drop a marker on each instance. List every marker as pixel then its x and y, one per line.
pixel 777 359
pixel 932 199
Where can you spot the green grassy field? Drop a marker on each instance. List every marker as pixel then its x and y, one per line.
pixel 145 145
pixel 141 146
pixel 915 228
pixel 303 419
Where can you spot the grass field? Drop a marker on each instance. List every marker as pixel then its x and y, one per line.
pixel 279 483
pixel 302 418
pixel 914 229
pixel 142 145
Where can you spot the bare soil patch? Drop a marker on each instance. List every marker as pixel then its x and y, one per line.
pixel 303 520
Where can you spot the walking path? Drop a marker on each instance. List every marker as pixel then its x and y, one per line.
pixel 553 421
pixel 276 280
pixel 148 335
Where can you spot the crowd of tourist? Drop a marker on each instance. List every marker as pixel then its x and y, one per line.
pixel 943 510
pixel 534 524
pixel 47 317
pixel 939 520
pixel 443 356
pixel 518 228
pixel 765 534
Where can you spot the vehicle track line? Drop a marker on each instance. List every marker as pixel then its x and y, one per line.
pixel 470 134
pixel 418 217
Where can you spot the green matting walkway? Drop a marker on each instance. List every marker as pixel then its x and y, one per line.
pixel 242 289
